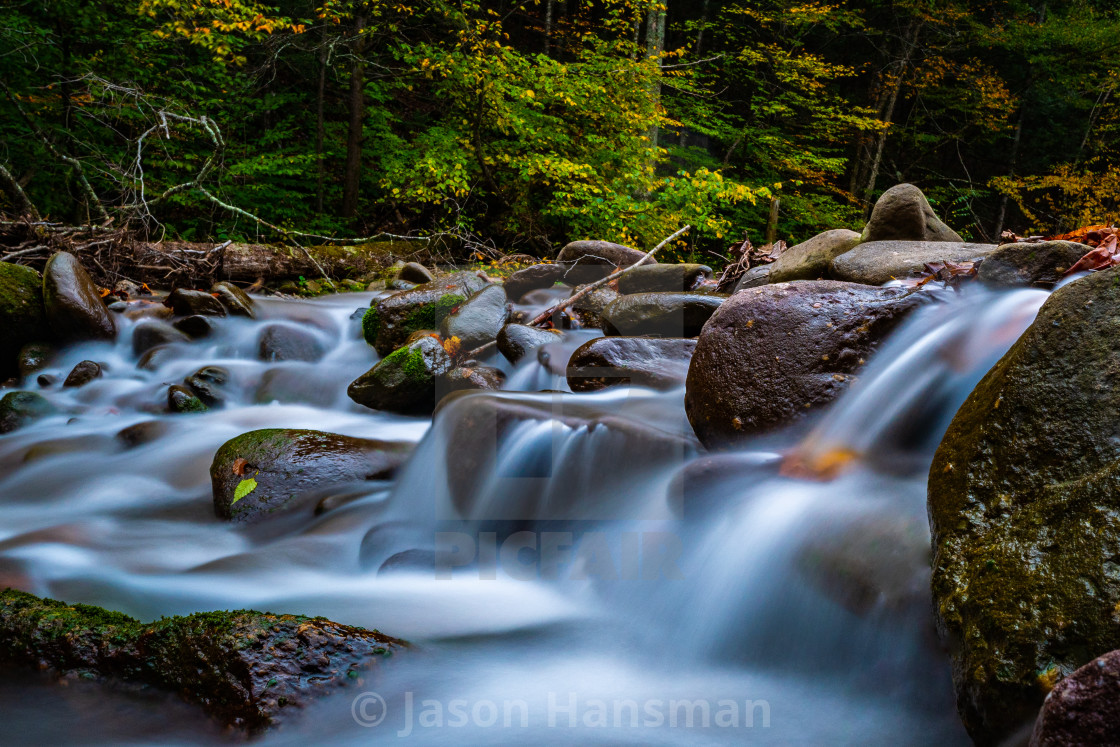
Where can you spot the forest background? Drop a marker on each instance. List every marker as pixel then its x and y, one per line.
pixel 528 124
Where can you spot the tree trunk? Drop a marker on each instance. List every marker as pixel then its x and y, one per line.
pixel 16 195
pixel 700 33
pixel 353 175
pixel 320 127
pixel 1012 162
pixel 547 26
pixel 655 44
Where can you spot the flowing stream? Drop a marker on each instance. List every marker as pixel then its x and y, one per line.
pixel 691 598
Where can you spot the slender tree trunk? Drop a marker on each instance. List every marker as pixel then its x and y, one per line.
pixel 16 195
pixel 353 176
pixel 772 221
pixel 548 25
pixel 881 139
pixel 703 24
pixel 655 44
pixel 320 127
pixel 1012 162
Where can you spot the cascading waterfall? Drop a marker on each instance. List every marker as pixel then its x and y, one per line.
pixel 635 569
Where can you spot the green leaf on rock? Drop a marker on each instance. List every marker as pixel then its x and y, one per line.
pixel 243 489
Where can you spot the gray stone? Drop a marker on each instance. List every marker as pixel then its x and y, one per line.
pixel 810 260
pixel 878 262
pixel 904 214
pixel 660 314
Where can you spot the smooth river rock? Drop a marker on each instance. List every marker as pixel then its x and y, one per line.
pixel 265 471
pixel 675 277
pixel 588 261
pixel 22 320
pixel 1024 492
pixel 390 322
pixel 1040 263
pixel 1084 708
pixel 404 381
pixel 903 213
pixel 533 278
pixel 878 262
pixel 515 341
pixel 478 320
pixel 811 259
pixel 771 355
pixel 659 363
pixel 660 314
pixel 72 302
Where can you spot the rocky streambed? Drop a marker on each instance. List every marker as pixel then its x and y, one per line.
pixel 536 507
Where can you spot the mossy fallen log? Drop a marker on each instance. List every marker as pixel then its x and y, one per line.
pixel 250 670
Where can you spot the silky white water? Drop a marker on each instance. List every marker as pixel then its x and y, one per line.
pixel 575 590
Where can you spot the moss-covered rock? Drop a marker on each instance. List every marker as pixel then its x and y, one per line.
pixel 265 471
pixel 183 400
pixel 404 381
pixel 249 670
pixel 1024 495
pixel 72 303
pixel 17 409
pixel 21 314
pixel 396 317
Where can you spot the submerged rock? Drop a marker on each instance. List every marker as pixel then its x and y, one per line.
pixel 82 374
pixel 478 320
pixel 637 361
pixel 811 259
pixel 590 309
pixel 151 334
pixel 285 342
pixel 182 399
pixel 389 323
pixel 515 341
pixel 1041 263
pixel 17 409
pixel 1023 495
pixel 195 327
pixel 475 378
pixel 207 383
pixel 22 320
pixel 73 305
pixel 652 278
pixel 33 357
pixel 249 670
pixel 185 302
pixel 405 380
pixel 265 471
pixel 771 355
pixel 660 314
pixel 903 213
pixel 1084 708
pixel 235 300
pixel 878 262
pixel 588 261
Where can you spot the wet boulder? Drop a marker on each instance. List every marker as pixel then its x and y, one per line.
pixel 186 302
pixel 479 319
pixel 652 278
pixel 73 304
pixel 1084 708
pixel 17 409
pixel 677 314
pixel 903 213
pixel 82 374
pixel 1023 495
pixel 34 357
pixel 878 262
pixel 182 400
pixel 195 327
pixel 235 300
pixel 770 355
pixel 534 277
pixel 588 261
pixel 589 310
pixel 475 378
pixel 151 334
pixel 404 381
pixel 811 259
pixel 659 363
pixel 294 383
pixel 515 341
pixel 267 471
pixel 22 319
pixel 207 384
pixel 415 273
pixel 755 277
pixel 391 320
pixel 1039 264
pixel 248 670
pixel 286 342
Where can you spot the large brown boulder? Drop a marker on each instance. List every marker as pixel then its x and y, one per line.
pixel 1040 263
pixel 638 361
pixel 588 261
pixel 810 259
pixel 878 262
pixel 903 213
pixel 265 471
pixel 1024 492
pixel 1084 708
pixel 771 355
pixel 72 302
